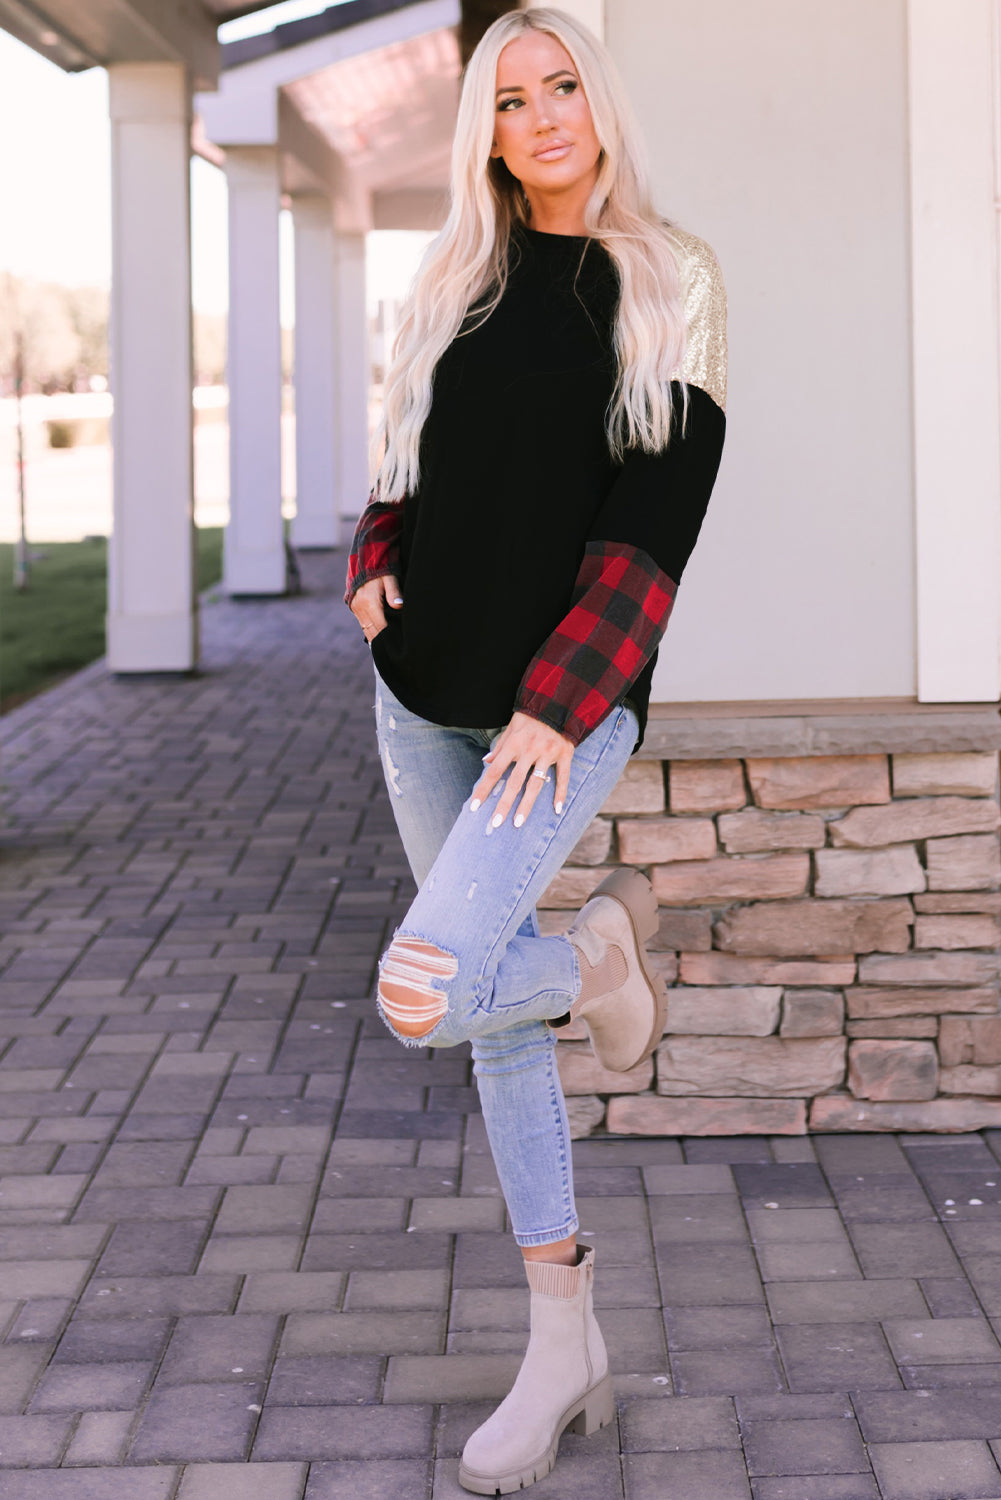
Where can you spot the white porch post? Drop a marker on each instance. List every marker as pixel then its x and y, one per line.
pixel 254 553
pixel 352 375
pixel 152 610
pixel 316 518
pixel 957 443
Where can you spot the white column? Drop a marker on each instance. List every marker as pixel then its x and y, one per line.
pixel 316 519
pixel 152 610
pixel 957 443
pixel 254 553
pixel 352 375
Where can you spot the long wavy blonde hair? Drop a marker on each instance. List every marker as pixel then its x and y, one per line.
pixel 467 264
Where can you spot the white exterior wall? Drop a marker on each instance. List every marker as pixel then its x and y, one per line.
pixel 778 132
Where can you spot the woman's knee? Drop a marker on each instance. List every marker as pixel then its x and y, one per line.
pixel 413 985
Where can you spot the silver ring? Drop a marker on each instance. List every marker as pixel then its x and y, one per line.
pixel 542 775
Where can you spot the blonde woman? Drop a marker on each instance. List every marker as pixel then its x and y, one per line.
pixel 553 424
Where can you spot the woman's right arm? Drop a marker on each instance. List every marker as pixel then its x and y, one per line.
pixel 373 567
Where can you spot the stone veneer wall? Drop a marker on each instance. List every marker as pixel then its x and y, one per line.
pixel 830 933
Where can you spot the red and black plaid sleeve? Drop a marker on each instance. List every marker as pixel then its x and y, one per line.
pixel 619 611
pixel 375 546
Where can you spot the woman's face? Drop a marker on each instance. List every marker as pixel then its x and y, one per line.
pixel 543 129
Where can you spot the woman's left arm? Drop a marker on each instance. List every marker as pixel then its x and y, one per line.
pixel 638 549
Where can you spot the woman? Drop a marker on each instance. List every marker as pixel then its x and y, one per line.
pixel 553 425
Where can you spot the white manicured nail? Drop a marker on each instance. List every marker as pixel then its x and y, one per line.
pixel 559 807
pixel 519 818
pixel 397 601
pixel 496 821
pixel 474 804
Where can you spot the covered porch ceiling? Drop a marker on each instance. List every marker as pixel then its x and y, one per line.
pixel 80 34
pixel 360 102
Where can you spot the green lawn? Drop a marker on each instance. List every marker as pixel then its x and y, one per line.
pixel 57 624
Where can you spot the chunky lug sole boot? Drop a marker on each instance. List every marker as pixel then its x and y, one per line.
pixel 626 1022
pixel 563 1382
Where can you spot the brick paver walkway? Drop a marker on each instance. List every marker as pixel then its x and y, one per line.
pixel 238 1222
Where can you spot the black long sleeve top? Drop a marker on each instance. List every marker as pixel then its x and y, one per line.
pixel 537 572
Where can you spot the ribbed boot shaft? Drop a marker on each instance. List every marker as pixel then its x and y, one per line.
pixel 551 1280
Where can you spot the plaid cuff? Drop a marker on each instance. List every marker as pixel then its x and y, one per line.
pixel 375 546
pixel 619 611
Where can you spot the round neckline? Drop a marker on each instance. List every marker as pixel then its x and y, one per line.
pixel 548 235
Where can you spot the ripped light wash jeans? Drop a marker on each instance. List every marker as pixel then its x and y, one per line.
pixel 499 981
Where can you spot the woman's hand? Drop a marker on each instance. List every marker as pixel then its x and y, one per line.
pixel 526 746
pixel 368 604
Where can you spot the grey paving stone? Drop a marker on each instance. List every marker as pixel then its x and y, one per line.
pixel 292 1291
pixel 710 1474
pixel 950 1377
pixel 43 1278
pixel 115 1205
pixel 682 1423
pixel 376 1479
pixel 626 1286
pixel 789 1184
pixel 232 1171
pixel 730 1328
pixel 697 1275
pixel 239 1348
pixel 695 1219
pixel 95 1387
pixel 903 1250
pixel 31 1441
pixel 941 1341
pixel 110 1341
pixel 984 1272
pixel 487 1260
pixel 243 1482
pixel 191 1423
pixel 794 1408
pixel 906 1416
pixel 836 1357
pixel 41 1320
pixel 960 1470
pixel 703 1372
pixel 727 1148
pixel 829 1260
pixel 687 1179
pixel 949 1297
pixel 100 1438
pixel 361 1216
pixel 794 1226
pixel 91 1484
pixel 363 1333
pixel 368 1432
pixel 816 1487
pixel 456 1215
pixel 825 1445
pixel 244 1209
pixel 136 1296
pixel 844 1301
pixel 322 1382
pixel 139 1249
pixel 413 1289
pixel 248 1252
pixel 415 1378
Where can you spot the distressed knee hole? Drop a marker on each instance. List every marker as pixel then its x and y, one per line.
pixel 410 981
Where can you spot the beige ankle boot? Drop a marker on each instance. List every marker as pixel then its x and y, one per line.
pixel 622 1000
pixel 563 1382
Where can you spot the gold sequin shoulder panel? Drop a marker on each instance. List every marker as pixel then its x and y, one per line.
pixel 704 295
